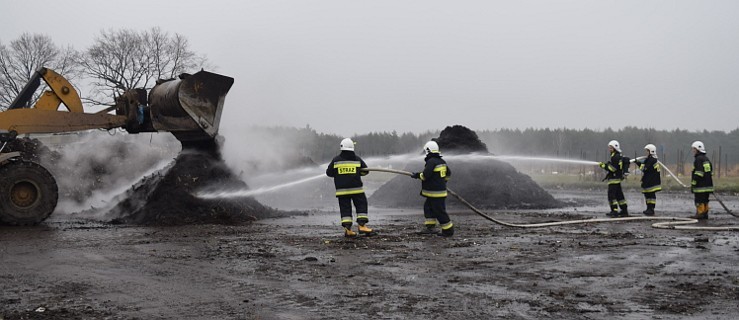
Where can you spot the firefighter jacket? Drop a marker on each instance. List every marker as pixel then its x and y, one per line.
pixel 702 182
pixel 650 180
pixel 434 177
pixel 614 169
pixel 344 168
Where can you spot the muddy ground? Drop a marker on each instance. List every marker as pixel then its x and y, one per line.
pixel 300 267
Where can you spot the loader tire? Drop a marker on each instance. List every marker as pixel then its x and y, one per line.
pixel 28 193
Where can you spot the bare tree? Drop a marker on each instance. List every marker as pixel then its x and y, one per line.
pixel 120 60
pixel 23 56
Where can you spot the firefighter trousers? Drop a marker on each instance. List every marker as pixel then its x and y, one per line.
pixel 345 207
pixel 616 197
pixel 434 209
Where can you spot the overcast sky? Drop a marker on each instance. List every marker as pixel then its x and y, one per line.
pixel 350 67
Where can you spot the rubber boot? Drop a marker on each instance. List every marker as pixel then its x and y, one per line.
pixel 348 230
pixel 701 212
pixel 614 210
pixel 365 230
pixel 446 232
pixel 428 230
pixel 649 211
pixel 624 212
pixel 349 233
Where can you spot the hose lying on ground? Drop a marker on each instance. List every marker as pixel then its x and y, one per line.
pixel 672 223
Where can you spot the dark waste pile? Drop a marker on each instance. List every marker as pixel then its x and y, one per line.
pixel 489 184
pixel 166 197
pixel 83 166
pixel 32 149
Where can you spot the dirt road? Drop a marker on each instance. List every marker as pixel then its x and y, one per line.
pixel 301 267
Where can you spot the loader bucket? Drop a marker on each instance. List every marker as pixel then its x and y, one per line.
pixel 189 107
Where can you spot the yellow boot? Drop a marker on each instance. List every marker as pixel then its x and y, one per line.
pixel 363 229
pixel 701 212
pixel 349 233
pixel 704 214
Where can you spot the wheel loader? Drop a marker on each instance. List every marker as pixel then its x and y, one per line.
pixel 188 106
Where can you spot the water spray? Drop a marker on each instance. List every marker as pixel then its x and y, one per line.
pixel 213 193
pixel 248 193
pixel 583 162
pixel 574 161
pixel 477 156
pixel 671 223
pixel 473 157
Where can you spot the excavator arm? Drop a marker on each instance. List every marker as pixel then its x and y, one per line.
pixel 189 107
pixel 45 117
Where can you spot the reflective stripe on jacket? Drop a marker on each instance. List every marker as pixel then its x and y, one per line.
pixel 650 180
pixel 702 180
pixel 345 169
pixel 614 169
pixel 434 177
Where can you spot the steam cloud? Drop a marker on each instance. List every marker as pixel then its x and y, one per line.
pixel 93 167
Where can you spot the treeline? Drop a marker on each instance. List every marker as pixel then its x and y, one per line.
pixel 116 61
pixel 673 146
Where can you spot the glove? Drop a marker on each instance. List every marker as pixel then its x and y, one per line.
pixel 416 175
pixel 602 165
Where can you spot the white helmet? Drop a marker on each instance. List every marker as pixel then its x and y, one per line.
pixel 699 146
pixel 431 147
pixel 347 145
pixel 652 149
pixel 615 145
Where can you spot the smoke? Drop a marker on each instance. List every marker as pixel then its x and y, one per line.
pixel 93 167
pixel 274 163
pixel 250 151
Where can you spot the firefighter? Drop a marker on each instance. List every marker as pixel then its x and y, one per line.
pixel 614 176
pixel 650 180
pixel 702 182
pixel 345 169
pixel 433 187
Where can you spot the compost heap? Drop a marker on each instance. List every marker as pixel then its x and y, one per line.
pixel 166 197
pixel 32 150
pixel 490 184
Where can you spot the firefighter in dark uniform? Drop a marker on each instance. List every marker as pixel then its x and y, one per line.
pixel 702 181
pixel 651 182
pixel 433 187
pixel 614 176
pixel 345 169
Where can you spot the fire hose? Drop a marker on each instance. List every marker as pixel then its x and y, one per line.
pixel 670 223
pixel 685 186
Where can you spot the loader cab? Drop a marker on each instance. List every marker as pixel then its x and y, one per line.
pixel 6 136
